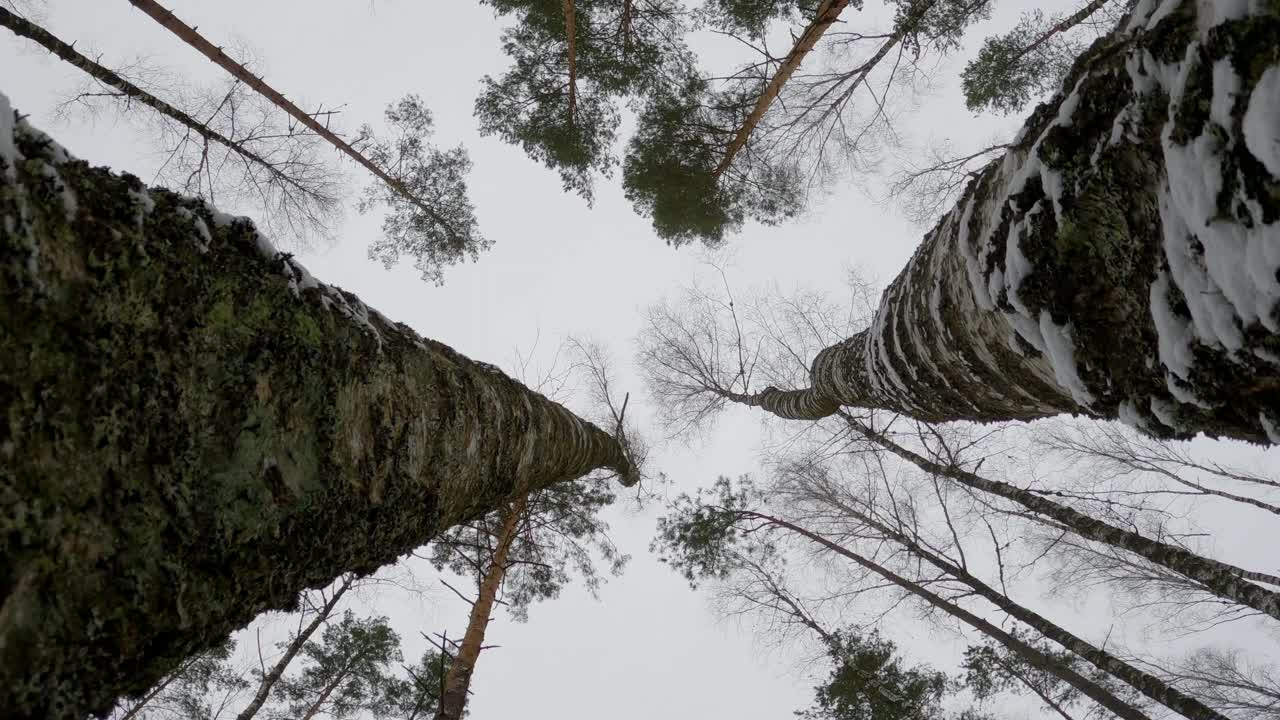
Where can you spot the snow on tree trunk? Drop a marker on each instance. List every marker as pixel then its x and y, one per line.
pixel 195 430
pixel 1122 260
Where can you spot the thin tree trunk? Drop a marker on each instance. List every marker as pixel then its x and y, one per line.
pixel 27 29
pixel 828 12
pixel 199 431
pixel 328 690
pixel 1087 687
pixel 277 671
pixel 189 35
pixel 1222 579
pixel 454 698
pixel 572 44
pixel 1085 271
pixel 1064 25
pixel 1044 696
pixel 1145 683
pixel 142 704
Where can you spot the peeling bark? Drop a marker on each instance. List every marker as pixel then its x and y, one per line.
pixel 193 430
pixel 1122 260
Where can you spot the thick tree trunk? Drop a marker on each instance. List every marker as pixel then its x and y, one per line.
pixel 828 12
pixel 454 698
pixel 1121 261
pixel 277 671
pixel 195 431
pixel 189 35
pixel 1039 659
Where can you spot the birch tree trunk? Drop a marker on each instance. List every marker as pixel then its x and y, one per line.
pixel 456 684
pixel 1067 674
pixel 1122 260
pixel 196 430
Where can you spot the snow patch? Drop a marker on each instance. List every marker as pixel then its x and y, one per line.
pixel 1270 428
pixel 1061 350
pixel 8 148
pixel 1128 414
pixel 68 198
pixel 1166 412
pixel 1262 121
pixel 202 244
pixel 1173 334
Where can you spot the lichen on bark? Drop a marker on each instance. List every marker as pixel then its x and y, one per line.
pixel 194 431
pixel 1122 260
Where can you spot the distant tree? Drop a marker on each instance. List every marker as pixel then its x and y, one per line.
pixel 870 681
pixel 1032 59
pixel 347 673
pixel 572 65
pixel 991 669
pixel 704 535
pixel 319 605
pixel 200 688
pixel 423 173
pixel 525 553
pixel 419 697
pixel 431 217
pixel 222 142
pixel 755 144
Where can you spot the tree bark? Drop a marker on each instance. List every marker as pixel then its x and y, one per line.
pixel 1087 687
pixel 189 35
pixel 454 698
pixel 196 431
pixel 64 51
pixel 1119 261
pixel 277 671
pixel 828 12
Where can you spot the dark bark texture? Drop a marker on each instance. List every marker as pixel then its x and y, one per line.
pixel 1121 261
pixel 193 431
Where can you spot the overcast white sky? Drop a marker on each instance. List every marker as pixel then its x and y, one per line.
pixel 649 647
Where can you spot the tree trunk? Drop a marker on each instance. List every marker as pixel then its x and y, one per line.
pixel 196 431
pixel 454 698
pixel 189 35
pixel 1036 689
pixel 1145 683
pixel 328 690
pixel 571 40
pixel 277 671
pixel 27 29
pixel 1120 261
pixel 828 12
pixel 1219 578
pixel 1039 659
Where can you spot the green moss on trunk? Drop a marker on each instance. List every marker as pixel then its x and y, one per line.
pixel 190 436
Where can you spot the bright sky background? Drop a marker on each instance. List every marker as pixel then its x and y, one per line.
pixel 649 647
